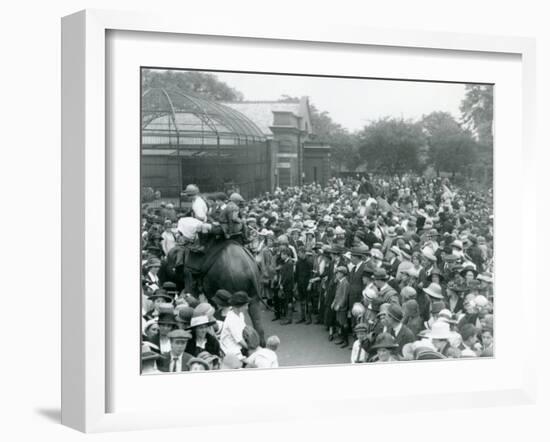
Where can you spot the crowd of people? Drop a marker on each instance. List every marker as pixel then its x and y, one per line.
pixel 391 268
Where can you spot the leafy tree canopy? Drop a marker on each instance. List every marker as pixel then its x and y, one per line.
pixel 451 147
pixel 477 112
pixel 199 83
pixel 392 145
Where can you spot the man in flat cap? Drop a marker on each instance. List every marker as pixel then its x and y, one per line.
pixel 176 359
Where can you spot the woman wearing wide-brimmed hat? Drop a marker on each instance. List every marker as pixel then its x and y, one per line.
pixel 231 339
pixel 151 280
pixel 202 340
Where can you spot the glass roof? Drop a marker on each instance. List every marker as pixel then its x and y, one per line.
pixel 169 114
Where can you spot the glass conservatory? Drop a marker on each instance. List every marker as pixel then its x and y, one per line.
pixel 187 139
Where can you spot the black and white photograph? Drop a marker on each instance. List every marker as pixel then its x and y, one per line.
pixel 308 220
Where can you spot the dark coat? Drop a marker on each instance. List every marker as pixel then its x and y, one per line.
pixel 212 346
pixel 404 336
pixel 356 285
pixel 163 364
pixel 287 276
pixel 304 270
pixel 341 295
pixel 371 239
pixel 415 324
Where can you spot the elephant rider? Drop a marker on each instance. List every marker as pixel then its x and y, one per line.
pixel 199 206
pixel 189 228
pixel 233 226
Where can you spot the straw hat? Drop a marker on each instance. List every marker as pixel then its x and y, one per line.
pixel 428 253
pixel 198 321
pixel 440 330
pixel 434 290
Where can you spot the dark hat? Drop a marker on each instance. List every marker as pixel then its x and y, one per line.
pixel 337 249
pixel 381 274
pixel 384 340
pixel 359 250
pixel 160 293
pixel 457 288
pixel 239 299
pixel 374 304
pixel 222 298
pixel 170 286
pixel 167 318
pixel 368 271
pixel 180 334
pixel 468 269
pixel 185 314
pixel 395 312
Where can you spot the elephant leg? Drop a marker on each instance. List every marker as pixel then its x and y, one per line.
pixel 254 312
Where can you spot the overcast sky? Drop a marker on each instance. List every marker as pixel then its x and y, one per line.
pixel 353 102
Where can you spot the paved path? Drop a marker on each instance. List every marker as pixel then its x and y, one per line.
pixel 303 344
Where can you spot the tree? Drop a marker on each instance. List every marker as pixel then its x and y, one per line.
pixel 392 145
pixel 477 112
pixel 451 147
pixel 199 83
pixel 344 150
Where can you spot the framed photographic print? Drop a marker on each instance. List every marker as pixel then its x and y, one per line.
pixel 289 212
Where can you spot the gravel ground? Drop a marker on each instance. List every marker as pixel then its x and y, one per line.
pixel 304 344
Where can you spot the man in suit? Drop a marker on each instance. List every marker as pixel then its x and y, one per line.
pixel 358 264
pixel 395 327
pixel 287 284
pixel 394 260
pixel 304 271
pixel 340 305
pixel 176 359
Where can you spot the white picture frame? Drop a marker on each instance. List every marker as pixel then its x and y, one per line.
pixel 86 172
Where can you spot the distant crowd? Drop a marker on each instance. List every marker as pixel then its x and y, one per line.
pixel 392 268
